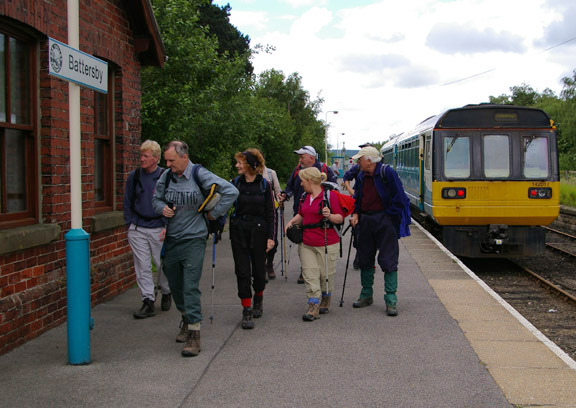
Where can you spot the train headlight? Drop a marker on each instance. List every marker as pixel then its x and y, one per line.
pixel 454 192
pixel 540 192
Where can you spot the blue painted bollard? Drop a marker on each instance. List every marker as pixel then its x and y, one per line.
pixel 78 295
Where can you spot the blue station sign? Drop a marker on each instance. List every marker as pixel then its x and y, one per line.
pixel 76 66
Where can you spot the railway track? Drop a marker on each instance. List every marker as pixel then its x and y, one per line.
pixel 566 243
pixel 545 300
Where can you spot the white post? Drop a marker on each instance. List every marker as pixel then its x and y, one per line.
pixel 74 118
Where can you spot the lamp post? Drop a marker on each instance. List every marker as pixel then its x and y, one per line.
pixel 335 112
pixel 338 140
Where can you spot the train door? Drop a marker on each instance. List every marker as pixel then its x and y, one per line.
pixel 426 185
pixel 421 141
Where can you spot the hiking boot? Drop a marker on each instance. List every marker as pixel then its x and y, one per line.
pixel 363 302
pixel 192 347
pixel 324 304
pixel 247 323
pixel 270 271
pixel 312 312
pixel 391 310
pixel 166 302
pixel 257 307
pixel 183 335
pixel 300 279
pixel 147 310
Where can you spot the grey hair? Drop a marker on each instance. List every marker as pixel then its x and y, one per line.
pixel 372 159
pixel 180 147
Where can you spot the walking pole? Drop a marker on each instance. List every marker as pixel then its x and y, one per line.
pixel 283 244
pixel 213 266
pixel 326 252
pixel 347 263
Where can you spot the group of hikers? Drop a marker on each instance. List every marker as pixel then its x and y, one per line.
pixel 171 212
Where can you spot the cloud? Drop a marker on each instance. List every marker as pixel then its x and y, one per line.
pixel 457 38
pixel 562 27
pixel 372 63
pixel 258 20
pixel 300 3
pixel 416 77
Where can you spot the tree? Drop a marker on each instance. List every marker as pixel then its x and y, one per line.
pixel 231 42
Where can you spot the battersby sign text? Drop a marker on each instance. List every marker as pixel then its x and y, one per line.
pixel 76 66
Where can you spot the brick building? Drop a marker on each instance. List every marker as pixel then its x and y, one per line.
pixel 34 155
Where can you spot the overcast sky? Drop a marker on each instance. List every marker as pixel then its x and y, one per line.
pixel 387 65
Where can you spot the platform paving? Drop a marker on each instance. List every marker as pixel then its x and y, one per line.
pixel 452 345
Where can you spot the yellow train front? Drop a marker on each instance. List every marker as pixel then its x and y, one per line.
pixel 484 176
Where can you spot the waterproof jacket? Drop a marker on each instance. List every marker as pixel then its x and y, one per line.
pixel 391 192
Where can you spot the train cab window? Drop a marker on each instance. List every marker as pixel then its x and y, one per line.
pixel 456 156
pixel 535 157
pixel 496 156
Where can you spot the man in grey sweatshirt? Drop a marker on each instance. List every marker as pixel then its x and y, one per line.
pixel 186 234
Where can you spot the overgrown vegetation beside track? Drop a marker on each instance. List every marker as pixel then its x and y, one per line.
pixel 568 188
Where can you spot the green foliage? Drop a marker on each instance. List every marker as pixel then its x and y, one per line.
pixel 568 192
pixel 204 96
pixel 230 41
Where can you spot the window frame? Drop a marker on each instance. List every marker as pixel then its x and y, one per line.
pixel 29 215
pixel 107 203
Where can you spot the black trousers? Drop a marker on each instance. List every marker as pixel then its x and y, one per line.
pixel 377 233
pixel 249 252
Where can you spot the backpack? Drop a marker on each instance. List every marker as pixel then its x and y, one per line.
pixel 346 202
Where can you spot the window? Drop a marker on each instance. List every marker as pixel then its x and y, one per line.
pixel 496 156
pixel 18 197
pixel 428 153
pixel 456 156
pixel 103 147
pixel 535 157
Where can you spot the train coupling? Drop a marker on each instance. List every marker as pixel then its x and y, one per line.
pixel 495 238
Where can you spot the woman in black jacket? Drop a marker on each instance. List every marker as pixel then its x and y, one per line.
pixel 251 232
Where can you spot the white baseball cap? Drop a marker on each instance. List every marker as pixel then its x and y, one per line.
pixel 306 150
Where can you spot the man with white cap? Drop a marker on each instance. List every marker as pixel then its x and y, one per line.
pixel 382 214
pixel 308 158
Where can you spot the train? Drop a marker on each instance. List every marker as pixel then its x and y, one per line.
pixel 483 177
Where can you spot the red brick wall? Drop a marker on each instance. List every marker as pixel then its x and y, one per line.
pixel 33 281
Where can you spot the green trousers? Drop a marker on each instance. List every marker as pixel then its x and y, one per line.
pixel 390 285
pixel 183 268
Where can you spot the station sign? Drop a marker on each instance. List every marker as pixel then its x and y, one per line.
pixel 73 65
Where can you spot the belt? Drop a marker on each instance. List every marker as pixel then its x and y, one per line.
pixel 372 212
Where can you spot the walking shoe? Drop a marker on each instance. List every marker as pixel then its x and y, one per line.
pixel 192 347
pixel 247 323
pixel 270 271
pixel 300 279
pixel 312 312
pixel 325 304
pixel 391 310
pixel 166 302
pixel 257 307
pixel 183 335
pixel 363 302
pixel 147 310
